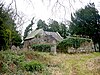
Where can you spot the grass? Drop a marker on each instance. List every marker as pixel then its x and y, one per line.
pixel 61 64
pixel 76 64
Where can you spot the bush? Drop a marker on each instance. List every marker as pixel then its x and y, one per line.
pixel 74 42
pixel 9 61
pixel 33 66
pixel 41 47
pixel 12 63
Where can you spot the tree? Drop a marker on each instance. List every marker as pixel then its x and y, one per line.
pixel 16 38
pixel 7 27
pixel 54 26
pixel 28 28
pixel 2 36
pixel 63 30
pixel 42 24
pixel 86 21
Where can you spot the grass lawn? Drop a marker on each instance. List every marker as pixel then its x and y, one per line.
pixel 60 64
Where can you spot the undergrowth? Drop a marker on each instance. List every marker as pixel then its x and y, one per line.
pixel 42 63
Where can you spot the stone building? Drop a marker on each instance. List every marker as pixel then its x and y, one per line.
pixel 42 37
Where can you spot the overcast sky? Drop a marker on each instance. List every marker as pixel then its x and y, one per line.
pixel 45 10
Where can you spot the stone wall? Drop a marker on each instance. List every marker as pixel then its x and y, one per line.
pixel 84 48
pixel 39 40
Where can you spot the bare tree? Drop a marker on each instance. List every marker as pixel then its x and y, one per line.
pixel 56 7
pixel 17 16
pixel 58 4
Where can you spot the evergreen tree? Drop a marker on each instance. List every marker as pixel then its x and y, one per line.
pixel 7 27
pixel 86 22
pixel 42 24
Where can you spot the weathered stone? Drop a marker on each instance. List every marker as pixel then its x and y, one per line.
pixel 42 37
pixel 25 48
pixel 53 48
pixel 13 48
pixel 18 48
pixel 71 50
pixel 85 47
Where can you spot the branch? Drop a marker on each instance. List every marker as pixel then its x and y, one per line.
pixel 30 2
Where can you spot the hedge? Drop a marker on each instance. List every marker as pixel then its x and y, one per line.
pixel 41 47
pixel 74 42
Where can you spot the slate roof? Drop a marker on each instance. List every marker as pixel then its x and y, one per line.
pixel 55 35
pixel 33 34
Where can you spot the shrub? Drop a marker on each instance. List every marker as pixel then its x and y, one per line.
pixel 74 42
pixel 9 60
pixel 33 66
pixel 41 47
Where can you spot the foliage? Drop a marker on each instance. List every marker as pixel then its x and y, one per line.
pixel 53 26
pixel 74 42
pixel 61 28
pixel 42 24
pixel 17 62
pixel 10 62
pixel 16 38
pixel 4 36
pixel 41 47
pixel 33 66
pixel 8 30
pixel 86 22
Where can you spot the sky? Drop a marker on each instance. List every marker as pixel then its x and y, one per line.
pixel 45 9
